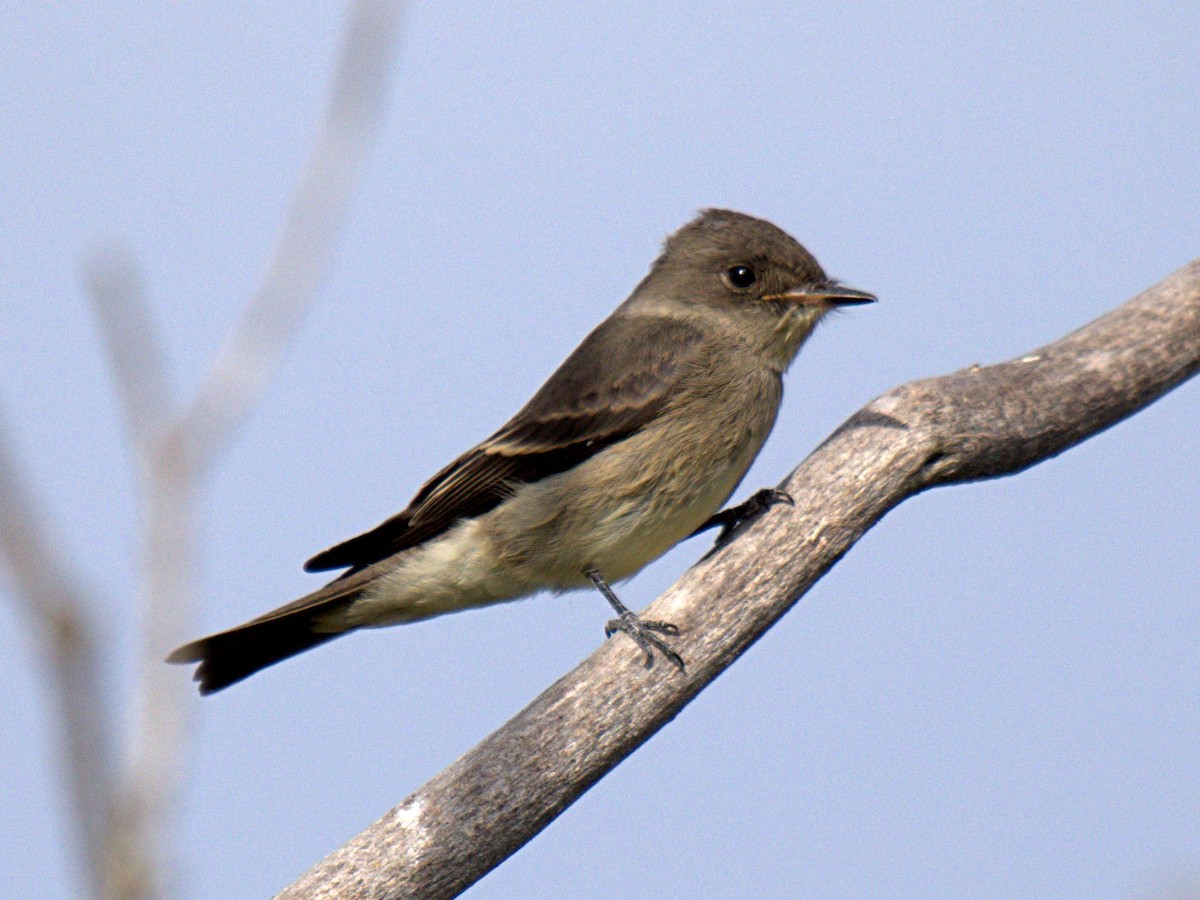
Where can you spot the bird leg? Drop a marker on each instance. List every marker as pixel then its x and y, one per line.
pixel 644 633
pixel 732 520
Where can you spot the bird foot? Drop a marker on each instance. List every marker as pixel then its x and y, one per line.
pixel 735 518
pixel 644 634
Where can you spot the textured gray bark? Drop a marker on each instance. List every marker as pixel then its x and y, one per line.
pixel 977 423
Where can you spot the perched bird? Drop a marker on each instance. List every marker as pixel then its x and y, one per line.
pixel 631 446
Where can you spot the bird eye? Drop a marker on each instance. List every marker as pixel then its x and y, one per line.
pixel 740 278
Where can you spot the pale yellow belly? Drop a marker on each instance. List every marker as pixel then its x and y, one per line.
pixel 637 535
pixel 618 511
pixel 628 505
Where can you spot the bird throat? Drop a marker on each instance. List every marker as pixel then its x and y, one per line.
pixel 792 330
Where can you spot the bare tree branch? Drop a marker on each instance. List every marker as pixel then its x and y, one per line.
pixel 124 808
pixel 184 455
pixel 301 257
pixel 977 423
pixel 133 839
pixel 115 288
pixel 60 612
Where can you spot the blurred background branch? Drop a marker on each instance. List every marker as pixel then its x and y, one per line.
pixel 124 789
pixel 61 616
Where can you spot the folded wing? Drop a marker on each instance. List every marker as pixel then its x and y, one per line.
pixel 614 383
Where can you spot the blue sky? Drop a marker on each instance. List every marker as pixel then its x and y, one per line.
pixel 995 693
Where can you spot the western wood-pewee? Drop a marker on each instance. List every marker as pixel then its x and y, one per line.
pixel 630 447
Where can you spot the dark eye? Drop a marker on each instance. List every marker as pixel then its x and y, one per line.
pixel 740 277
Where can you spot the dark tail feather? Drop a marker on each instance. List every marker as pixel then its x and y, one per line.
pixel 230 656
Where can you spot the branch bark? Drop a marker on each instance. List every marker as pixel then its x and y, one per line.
pixel 974 424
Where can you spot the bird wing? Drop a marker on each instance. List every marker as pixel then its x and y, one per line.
pixel 614 383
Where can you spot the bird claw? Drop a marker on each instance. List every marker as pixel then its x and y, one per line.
pixel 643 633
pixel 735 518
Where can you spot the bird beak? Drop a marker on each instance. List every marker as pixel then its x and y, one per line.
pixel 828 293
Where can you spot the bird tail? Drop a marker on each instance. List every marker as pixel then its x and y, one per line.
pixel 229 656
